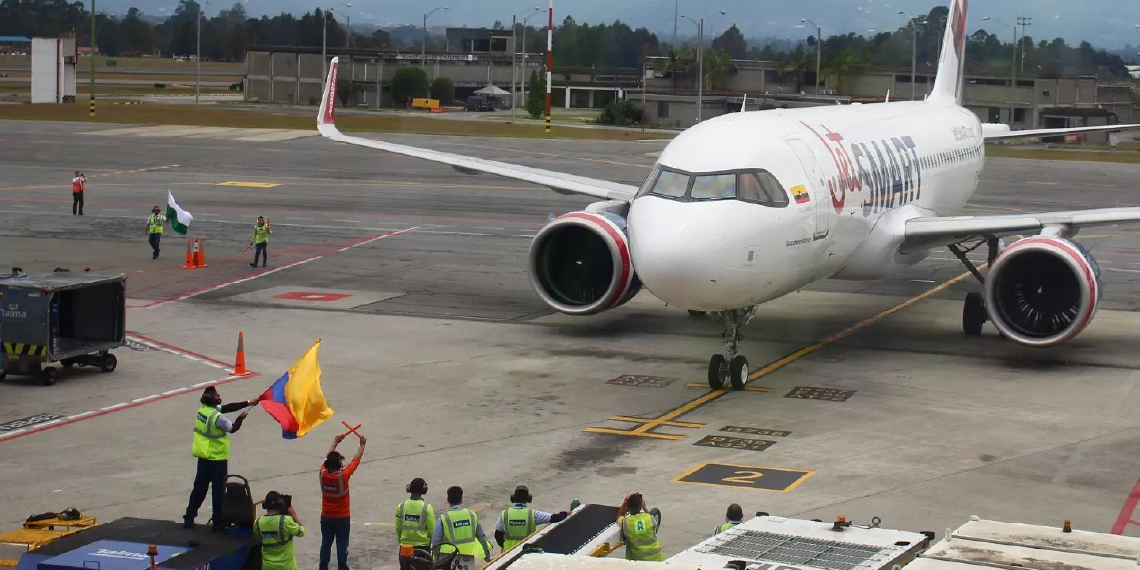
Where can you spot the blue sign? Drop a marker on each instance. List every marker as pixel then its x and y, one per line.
pixel 111 555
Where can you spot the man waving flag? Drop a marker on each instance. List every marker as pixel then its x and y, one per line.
pixel 178 218
pixel 295 400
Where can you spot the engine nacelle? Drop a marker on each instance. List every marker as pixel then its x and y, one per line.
pixel 1042 291
pixel 580 263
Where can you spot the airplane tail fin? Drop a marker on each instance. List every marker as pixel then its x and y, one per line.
pixel 326 115
pixel 948 81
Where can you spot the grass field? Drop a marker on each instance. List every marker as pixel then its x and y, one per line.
pixel 1120 156
pixel 135 63
pixel 220 116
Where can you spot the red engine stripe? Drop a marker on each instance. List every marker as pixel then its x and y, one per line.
pixel 619 239
pixel 1080 259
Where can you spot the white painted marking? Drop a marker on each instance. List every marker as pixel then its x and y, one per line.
pixel 922 281
pixel 115 406
pixel 1123 270
pixel 169 392
pixel 194 358
pixel 298 218
pixel 200 384
pixel 80 415
pixel 349 221
pixel 24 206
pixel 145 398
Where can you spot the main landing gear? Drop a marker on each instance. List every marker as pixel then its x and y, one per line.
pixel 730 365
pixel 974 314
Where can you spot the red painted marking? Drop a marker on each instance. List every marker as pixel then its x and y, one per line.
pixel 312 296
pixel 181 392
pixel 1126 511
pixel 618 238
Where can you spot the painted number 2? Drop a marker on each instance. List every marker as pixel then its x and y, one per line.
pixel 744 477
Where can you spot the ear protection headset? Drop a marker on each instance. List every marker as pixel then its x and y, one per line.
pixel 423 491
pixel 522 495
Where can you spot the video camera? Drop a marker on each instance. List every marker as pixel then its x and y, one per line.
pixel 278 501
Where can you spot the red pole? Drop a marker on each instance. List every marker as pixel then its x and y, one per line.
pixel 549 61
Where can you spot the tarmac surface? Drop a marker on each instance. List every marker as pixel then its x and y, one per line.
pixel 414 277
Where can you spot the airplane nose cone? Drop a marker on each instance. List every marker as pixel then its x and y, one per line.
pixel 677 251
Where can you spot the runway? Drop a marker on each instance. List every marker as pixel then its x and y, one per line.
pixel 868 401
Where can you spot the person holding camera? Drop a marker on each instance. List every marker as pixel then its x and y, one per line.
pixel 78 185
pixel 638 530
pixel 277 529
pixel 335 513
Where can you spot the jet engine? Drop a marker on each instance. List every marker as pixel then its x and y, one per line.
pixel 580 263
pixel 1042 291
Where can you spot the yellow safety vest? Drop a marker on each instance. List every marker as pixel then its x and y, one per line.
pixel 724 526
pixel 518 523
pixel 459 530
pixel 276 533
pixel 412 518
pixel 210 441
pixel 641 538
pixel 154 224
pixel 261 234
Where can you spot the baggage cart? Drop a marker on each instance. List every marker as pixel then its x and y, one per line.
pixel 62 317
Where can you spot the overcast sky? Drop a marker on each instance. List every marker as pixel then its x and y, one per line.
pixel 1105 23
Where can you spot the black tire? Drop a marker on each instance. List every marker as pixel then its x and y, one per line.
pixel 48 376
pixel 3 375
pixel 738 372
pixel 693 313
pixel 108 363
pixel 718 370
pixel 973 314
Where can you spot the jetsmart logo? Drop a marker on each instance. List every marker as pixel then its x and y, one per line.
pixel 120 554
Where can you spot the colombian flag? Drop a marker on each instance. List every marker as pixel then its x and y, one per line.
pixel 295 400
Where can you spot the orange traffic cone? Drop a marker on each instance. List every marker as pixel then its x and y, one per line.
pixel 199 253
pixel 189 259
pixel 239 365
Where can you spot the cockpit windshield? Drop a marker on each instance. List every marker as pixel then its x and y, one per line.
pixel 753 186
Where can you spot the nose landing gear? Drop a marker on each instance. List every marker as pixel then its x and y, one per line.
pixel 729 364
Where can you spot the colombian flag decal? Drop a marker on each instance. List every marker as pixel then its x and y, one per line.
pixel 799 192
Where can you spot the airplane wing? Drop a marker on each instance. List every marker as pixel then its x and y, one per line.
pixel 997 131
pixel 925 233
pixel 557 181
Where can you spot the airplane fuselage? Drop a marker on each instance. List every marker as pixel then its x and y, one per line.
pixel 853 175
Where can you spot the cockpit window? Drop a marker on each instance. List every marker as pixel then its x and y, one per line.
pixel 753 186
pixel 714 187
pixel 671 184
pixel 762 188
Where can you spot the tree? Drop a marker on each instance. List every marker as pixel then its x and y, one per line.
pixel 731 42
pixel 839 65
pixel 717 65
pixel 536 95
pixel 443 89
pixel 679 62
pixel 620 113
pixel 796 64
pixel 409 82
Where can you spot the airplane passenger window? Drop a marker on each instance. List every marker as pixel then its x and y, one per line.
pixel 761 188
pixel 671 184
pixel 714 187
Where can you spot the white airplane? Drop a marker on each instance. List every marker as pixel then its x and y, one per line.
pixel 747 207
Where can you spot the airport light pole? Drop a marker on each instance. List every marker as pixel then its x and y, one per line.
pixel 818 47
pixel 1013 69
pixel 325 37
pixel 91 106
pixel 701 59
pixel 514 52
pixel 1023 21
pixel 913 49
pixel 423 46
pixel 198 57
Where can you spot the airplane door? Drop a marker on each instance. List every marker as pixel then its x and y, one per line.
pixel 818 188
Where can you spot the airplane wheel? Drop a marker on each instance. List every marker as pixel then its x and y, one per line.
pixel 718 370
pixel 738 372
pixel 973 314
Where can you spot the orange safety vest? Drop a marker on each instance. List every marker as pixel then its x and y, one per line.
pixel 76 185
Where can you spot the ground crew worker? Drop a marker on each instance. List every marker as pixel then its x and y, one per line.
pixel 415 523
pixel 732 517
pixel 459 527
pixel 154 229
pixel 335 514
pixel 261 233
pixel 277 529
pixel 212 448
pixel 638 530
pixel 520 521
pixel 78 185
